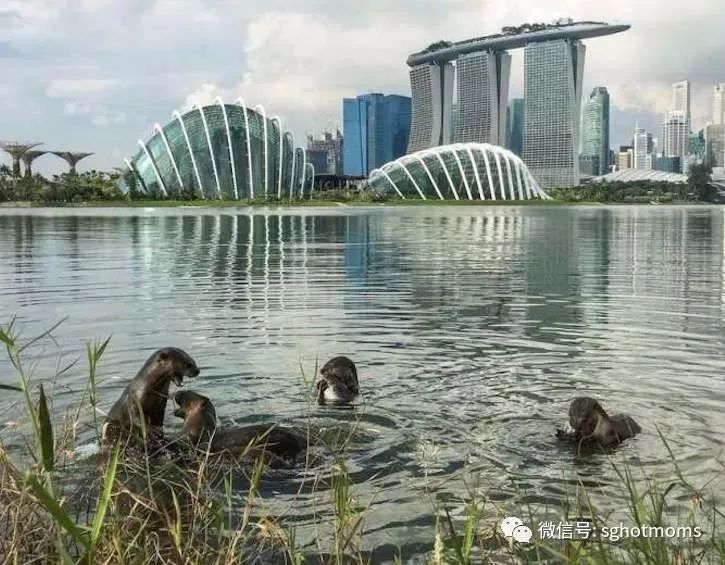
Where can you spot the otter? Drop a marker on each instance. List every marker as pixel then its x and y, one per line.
pixel 338 382
pixel 148 391
pixel 278 445
pixel 591 425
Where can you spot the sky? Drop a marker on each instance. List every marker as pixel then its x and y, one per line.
pixel 95 75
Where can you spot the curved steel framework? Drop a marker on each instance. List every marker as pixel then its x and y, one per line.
pixel 231 146
pixel 240 102
pixel 153 166
pixel 425 174
pixel 211 148
pixel 158 130
pixel 200 186
pixel 222 150
pixel 265 146
pixel 627 175
pixel 275 119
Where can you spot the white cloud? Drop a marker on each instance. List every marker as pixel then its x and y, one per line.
pixel 202 96
pixel 303 73
pixel 106 118
pixel 85 87
pixel 136 60
pixel 301 64
pixel 74 108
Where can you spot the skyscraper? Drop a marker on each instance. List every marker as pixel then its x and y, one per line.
pixel 715 132
pixel 515 126
pixel 376 130
pixel 552 101
pixel 325 154
pixel 675 135
pixel 595 132
pixel 483 68
pixel 681 100
pixel 715 145
pixel 482 87
pixel 355 132
pixel 625 157
pixel 432 88
pixel 397 113
pixel 696 145
pixel 640 145
pixel 718 104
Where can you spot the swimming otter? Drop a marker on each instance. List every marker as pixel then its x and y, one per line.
pixel 338 382
pixel 200 425
pixel 590 424
pixel 148 391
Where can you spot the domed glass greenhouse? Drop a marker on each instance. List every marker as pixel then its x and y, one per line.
pixel 221 151
pixel 461 171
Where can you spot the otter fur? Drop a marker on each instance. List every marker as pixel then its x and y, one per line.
pixel 338 382
pixel 591 425
pixel 143 401
pixel 277 444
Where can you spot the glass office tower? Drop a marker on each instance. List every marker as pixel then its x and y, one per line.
pixel 515 126
pixel 376 130
pixel 595 132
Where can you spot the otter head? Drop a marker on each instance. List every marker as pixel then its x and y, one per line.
pixel 174 364
pixel 338 366
pixel 338 382
pixel 584 415
pixel 198 414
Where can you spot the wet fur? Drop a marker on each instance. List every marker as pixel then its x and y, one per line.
pixel 592 426
pixel 338 382
pixel 149 391
pixel 200 427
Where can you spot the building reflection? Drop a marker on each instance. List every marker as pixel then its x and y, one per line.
pixel 532 271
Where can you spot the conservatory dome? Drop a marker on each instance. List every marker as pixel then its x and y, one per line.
pixel 461 171
pixel 633 175
pixel 221 151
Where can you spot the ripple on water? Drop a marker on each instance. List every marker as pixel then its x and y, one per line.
pixel 472 327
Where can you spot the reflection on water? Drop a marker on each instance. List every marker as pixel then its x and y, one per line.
pixel 472 328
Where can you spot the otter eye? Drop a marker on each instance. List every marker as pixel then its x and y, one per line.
pixel 163 356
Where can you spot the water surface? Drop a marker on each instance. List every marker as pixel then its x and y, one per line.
pixel 472 329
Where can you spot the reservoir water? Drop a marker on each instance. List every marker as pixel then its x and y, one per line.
pixel 472 328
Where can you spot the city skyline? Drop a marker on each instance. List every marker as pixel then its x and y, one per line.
pixel 68 88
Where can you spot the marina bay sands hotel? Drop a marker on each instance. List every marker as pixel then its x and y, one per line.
pixel 553 69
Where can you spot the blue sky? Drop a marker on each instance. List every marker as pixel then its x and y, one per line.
pixel 95 75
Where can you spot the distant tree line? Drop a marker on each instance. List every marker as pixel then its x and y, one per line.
pixel 697 189
pixel 94 185
pixel 64 188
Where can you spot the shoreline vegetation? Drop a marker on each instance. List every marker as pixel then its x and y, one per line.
pixel 134 508
pixel 98 188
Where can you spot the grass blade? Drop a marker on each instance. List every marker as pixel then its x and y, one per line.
pixel 105 497
pixel 6 334
pixel 11 387
pixel 46 333
pixel 46 432
pixel 55 510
